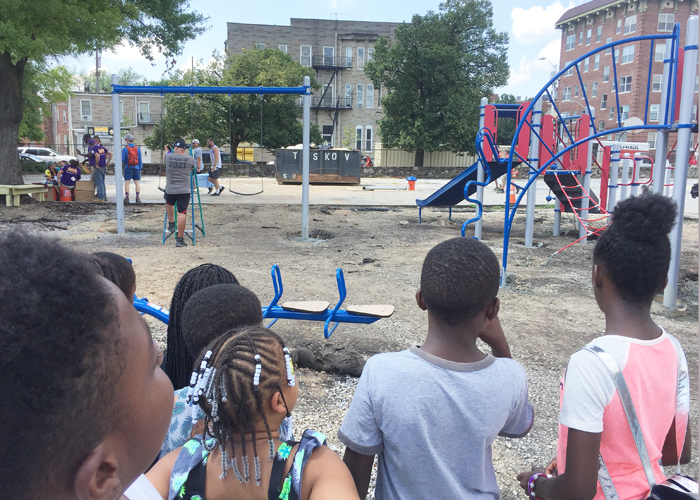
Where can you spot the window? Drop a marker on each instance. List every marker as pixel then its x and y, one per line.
pixel 358 137
pixel 360 95
pixel 651 139
pixel 585 64
pixel 86 110
pixel 569 71
pixel 283 48
pixel 594 89
pixel 606 74
pixel 659 52
pixel 64 111
pixel 580 38
pixel 348 95
pixel 348 57
pixel 608 51
pixel 630 24
pixel 616 56
pixel 121 111
pixel 596 62
pixel 588 36
pixel 603 101
pixel 379 96
pixel 695 115
pixel 370 56
pixel 623 137
pixel 570 42
pixel 611 114
pixel 628 54
pixel 625 84
pixel 566 94
pixel 327 134
pixel 305 57
pixel 370 95
pixel 328 53
pixel 598 34
pixel 260 45
pixel 625 113
pixel 601 126
pixel 666 22
pixel 145 112
pixel 654 113
pixel 656 83
pixel 368 139
pixel 696 86
pixel 618 29
pixel 327 96
pixel 360 57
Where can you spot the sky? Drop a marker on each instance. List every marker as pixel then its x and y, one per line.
pixel 530 25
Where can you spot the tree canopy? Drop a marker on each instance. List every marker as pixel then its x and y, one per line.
pixel 436 71
pixel 42 87
pixel 125 76
pixel 272 119
pixel 32 32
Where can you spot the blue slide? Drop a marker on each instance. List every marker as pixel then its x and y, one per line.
pixel 453 192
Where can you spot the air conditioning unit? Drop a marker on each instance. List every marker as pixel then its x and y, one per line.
pixel 87 118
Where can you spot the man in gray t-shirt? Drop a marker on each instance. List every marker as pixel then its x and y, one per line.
pixel 178 169
pixel 197 155
pixel 432 412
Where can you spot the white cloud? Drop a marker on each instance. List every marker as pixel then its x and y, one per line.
pixel 537 22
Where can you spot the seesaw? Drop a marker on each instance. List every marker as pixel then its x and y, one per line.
pixel 316 310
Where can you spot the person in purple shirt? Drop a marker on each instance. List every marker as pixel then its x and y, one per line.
pixel 100 159
pixel 69 174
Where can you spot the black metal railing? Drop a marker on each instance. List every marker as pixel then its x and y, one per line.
pixel 330 103
pixel 331 62
pixel 148 118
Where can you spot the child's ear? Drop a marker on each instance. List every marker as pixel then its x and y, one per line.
pixel 277 403
pixel 98 475
pixel 597 276
pixel 663 287
pixel 492 310
pixel 419 300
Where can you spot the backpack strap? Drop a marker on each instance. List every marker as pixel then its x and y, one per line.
pixel 630 412
pixel 277 475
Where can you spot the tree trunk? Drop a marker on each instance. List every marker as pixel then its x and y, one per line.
pixel 11 111
pixel 419 158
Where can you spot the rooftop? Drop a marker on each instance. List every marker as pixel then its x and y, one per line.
pixel 588 8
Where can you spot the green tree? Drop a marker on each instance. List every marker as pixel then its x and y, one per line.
pixel 125 76
pixel 506 126
pixel 436 71
pixel 270 120
pixel 42 87
pixel 33 32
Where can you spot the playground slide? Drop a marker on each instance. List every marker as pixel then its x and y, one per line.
pixel 453 192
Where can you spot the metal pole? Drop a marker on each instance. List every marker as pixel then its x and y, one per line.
pixel 682 156
pixel 117 149
pixel 534 164
pixel 480 174
pixel 625 176
pixel 667 181
pixel 585 201
pixel 636 174
pixel 612 177
pixel 662 135
pixel 305 161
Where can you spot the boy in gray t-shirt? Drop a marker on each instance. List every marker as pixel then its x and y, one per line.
pixel 432 412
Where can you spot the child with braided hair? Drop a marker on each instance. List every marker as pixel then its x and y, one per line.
pixel 245 384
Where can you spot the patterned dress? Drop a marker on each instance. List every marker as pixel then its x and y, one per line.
pixel 188 477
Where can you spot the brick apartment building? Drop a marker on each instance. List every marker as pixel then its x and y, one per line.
pixel 598 22
pixel 347 106
pixel 91 113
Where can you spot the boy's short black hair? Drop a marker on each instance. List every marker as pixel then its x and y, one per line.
pixel 213 311
pixel 459 279
pixel 118 270
pixel 634 251
pixel 59 363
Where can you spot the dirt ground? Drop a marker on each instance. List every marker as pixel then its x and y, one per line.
pixel 547 309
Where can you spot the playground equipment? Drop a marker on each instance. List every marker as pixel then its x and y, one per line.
pixel 304 91
pixel 565 157
pixel 304 310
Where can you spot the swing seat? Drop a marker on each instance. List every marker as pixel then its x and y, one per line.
pixel 377 311
pixel 308 306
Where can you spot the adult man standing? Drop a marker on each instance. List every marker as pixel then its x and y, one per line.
pixel 131 159
pixel 101 157
pixel 178 168
pixel 215 171
pixel 197 155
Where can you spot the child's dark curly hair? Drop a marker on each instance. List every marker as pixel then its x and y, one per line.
pixel 59 363
pixel 179 361
pixel 118 270
pixel 634 251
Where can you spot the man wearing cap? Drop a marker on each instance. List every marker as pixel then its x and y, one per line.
pixel 197 155
pixel 131 159
pixel 178 168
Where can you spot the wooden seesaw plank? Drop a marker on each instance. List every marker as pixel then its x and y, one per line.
pixel 381 311
pixel 308 306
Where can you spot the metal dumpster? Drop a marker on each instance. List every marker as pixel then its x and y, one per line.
pixel 326 166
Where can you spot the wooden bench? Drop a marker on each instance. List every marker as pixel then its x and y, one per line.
pixel 12 193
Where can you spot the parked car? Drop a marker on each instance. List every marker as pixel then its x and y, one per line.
pixel 46 154
pixel 30 158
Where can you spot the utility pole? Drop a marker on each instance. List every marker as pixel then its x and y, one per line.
pixel 97 70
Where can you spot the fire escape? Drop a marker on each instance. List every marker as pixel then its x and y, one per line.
pixel 327 102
